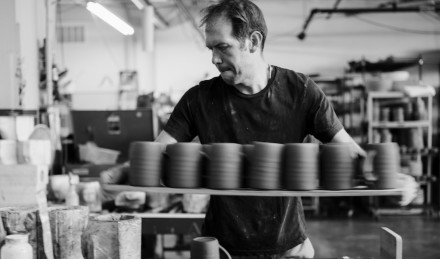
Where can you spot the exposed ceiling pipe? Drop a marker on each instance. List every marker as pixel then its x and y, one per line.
pixel 335 6
pixel 406 3
pixel 158 15
pixel 190 17
pixel 352 11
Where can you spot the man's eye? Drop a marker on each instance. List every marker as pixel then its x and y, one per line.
pixel 222 47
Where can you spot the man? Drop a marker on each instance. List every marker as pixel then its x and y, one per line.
pixel 250 101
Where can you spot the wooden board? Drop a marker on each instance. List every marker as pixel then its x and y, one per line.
pixel 357 191
pixel 390 244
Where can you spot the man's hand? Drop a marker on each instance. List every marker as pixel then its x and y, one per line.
pixel 343 137
pixel 409 187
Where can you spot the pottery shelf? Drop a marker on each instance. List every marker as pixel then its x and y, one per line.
pixel 356 191
pixel 418 118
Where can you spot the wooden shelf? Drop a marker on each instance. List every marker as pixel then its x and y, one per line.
pixel 356 191
pixel 400 124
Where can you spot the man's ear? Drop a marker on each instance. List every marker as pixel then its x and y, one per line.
pixel 256 41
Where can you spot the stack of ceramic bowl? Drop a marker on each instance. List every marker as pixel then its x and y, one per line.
pixel 301 169
pixel 145 163
pixel 337 166
pixel 224 166
pixel 183 165
pixel 265 165
pixel 386 164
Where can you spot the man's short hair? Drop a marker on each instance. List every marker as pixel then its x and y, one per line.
pixel 245 16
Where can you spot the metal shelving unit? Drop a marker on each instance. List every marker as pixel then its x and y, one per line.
pixel 424 123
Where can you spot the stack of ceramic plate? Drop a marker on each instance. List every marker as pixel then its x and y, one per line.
pixel 337 166
pixel 386 164
pixel 301 169
pixel 265 166
pixel 183 165
pixel 145 163
pixel 224 166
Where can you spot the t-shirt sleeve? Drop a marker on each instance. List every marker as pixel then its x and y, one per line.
pixel 181 125
pixel 322 119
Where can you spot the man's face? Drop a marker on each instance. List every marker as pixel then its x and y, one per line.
pixel 229 55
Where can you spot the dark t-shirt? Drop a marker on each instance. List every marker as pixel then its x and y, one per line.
pixel 288 109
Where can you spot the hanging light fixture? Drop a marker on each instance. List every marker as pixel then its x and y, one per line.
pixel 110 18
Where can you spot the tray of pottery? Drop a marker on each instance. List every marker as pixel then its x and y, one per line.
pixel 261 169
pixel 355 191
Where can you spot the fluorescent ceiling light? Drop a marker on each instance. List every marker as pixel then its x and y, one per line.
pixel 138 3
pixel 110 18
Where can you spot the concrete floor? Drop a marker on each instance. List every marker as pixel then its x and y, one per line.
pixel 359 237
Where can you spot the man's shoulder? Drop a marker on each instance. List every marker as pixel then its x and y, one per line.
pixel 206 85
pixel 204 90
pixel 290 74
pixel 213 82
pixel 291 78
pixel 203 87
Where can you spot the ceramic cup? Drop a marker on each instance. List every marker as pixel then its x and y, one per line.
pixel 145 163
pixel 301 166
pixel 207 248
pixel 386 164
pixel 224 166
pixel 265 165
pixel 337 166
pixel 183 165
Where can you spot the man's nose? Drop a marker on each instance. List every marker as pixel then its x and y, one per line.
pixel 216 58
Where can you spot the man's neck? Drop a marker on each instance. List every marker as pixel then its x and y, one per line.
pixel 256 81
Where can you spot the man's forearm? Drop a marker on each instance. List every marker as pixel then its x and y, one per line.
pixel 343 137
